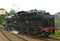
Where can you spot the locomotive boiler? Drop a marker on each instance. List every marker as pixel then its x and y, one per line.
pixel 33 22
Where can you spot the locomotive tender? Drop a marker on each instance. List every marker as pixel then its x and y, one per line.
pixel 33 22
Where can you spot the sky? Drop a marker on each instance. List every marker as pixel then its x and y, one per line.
pixel 52 6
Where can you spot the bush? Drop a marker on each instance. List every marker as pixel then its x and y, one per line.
pixel 57 33
pixel 2 18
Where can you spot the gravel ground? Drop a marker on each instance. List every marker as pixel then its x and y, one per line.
pixel 9 35
pixel 29 38
pixel 2 37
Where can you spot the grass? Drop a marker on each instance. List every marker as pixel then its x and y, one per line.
pixel 57 24
pixel 57 33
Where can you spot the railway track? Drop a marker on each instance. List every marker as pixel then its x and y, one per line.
pixel 25 37
pixel 40 39
pixel 5 35
pixel 56 39
pixel 50 39
pixel 11 37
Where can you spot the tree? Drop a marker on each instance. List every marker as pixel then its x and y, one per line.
pixel 12 12
pixel 2 17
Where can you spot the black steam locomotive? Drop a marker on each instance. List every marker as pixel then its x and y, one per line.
pixel 33 22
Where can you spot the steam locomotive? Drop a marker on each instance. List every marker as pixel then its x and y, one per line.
pixel 33 22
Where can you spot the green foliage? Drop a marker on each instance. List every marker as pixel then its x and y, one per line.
pixel 57 23
pixel 12 12
pixel 57 34
pixel 2 17
pixel 7 13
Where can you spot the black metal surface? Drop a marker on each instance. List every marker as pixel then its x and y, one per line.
pixel 28 21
